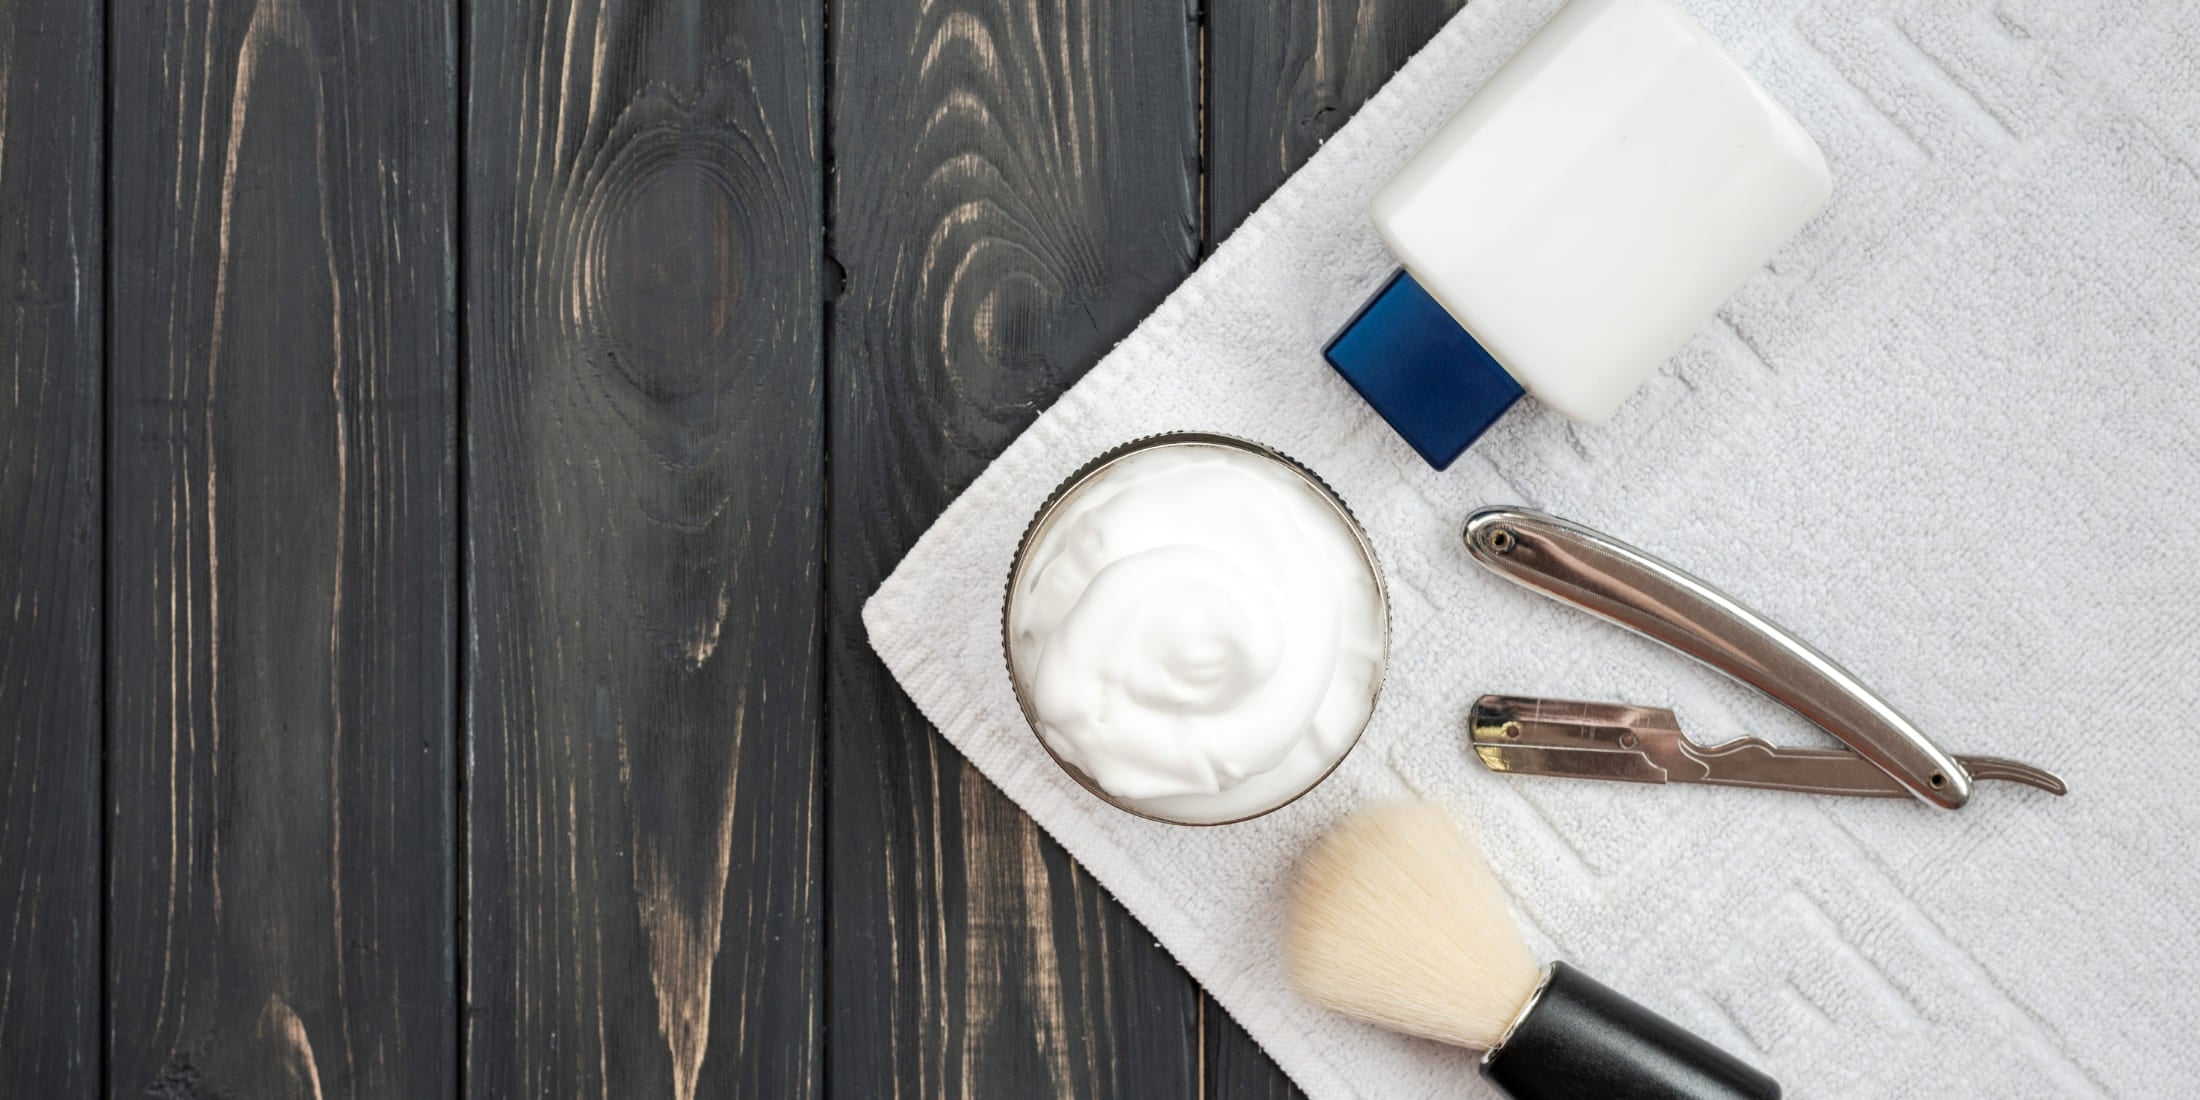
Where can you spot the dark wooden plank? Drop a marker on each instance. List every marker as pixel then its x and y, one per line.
pixel 281 543
pixel 644 501
pixel 50 460
pixel 1282 76
pixel 1015 187
pixel 1233 1066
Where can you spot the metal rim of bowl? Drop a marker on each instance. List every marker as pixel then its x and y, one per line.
pixel 1041 520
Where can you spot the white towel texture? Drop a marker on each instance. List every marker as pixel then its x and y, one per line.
pixel 1951 435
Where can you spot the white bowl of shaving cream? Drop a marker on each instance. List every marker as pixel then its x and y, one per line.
pixel 1196 628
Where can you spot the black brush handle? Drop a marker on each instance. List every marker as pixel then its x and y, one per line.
pixel 1582 1040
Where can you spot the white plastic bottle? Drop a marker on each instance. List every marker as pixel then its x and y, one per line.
pixel 1574 223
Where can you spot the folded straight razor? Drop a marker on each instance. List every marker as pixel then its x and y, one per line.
pixel 1614 581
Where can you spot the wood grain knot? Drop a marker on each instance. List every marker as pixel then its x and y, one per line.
pixel 650 253
pixel 660 266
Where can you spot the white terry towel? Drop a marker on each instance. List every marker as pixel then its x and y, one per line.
pixel 1951 435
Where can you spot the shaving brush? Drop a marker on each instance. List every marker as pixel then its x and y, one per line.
pixel 1396 919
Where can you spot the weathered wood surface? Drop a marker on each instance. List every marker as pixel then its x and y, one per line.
pixel 645 493
pixel 1015 186
pixel 506 410
pixel 51 291
pixel 281 549
pixel 1283 75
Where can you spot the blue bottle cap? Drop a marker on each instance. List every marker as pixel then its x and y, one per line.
pixel 1424 373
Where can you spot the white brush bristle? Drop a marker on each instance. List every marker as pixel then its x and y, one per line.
pixel 1396 919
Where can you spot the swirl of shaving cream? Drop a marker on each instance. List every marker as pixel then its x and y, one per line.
pixel 1198 632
